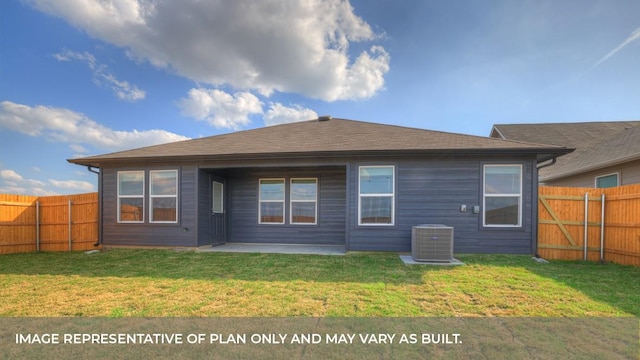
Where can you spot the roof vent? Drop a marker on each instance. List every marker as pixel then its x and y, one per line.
pixel 324 118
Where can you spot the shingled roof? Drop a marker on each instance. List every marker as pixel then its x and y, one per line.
pixel 622 147
pixel 330 137
pixel 597 144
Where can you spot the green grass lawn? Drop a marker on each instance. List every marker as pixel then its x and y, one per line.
pixel 150 283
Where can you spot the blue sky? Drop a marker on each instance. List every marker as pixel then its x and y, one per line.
pixel 82 77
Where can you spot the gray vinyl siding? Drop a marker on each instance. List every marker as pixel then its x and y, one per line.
pixel 243 207
pixel 148 234
pixel 430 191
pixel 204 208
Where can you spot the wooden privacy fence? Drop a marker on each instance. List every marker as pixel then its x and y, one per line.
pixel 48 223
pixel 590 224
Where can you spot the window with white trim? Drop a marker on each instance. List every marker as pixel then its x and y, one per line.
pixel 607 181
pixel 271 201
pixel 376 195
pixel 303 200
pixel 502 196
pixel 163 196
pixel 131 196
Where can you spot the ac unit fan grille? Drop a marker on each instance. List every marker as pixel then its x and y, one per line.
pixel 432 243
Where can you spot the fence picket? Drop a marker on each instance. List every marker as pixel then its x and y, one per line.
pixel 48 223
pixel 562 212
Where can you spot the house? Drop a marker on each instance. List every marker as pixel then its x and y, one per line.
pixel 607 154
pixel 325 181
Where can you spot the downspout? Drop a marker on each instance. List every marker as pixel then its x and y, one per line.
pixel 538 167
pixel 96 171
pixel 534 211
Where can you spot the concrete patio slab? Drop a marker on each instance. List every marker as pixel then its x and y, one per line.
pixel 276 249
pixel 408 259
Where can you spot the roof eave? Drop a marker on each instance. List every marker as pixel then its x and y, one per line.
pixel 542 155
pixel 593 167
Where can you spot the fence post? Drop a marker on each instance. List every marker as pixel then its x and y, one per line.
pixel 602 231
pixel 37 225
pixel 586 223
pixel 69 225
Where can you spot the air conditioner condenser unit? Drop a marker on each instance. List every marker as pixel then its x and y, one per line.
pixel 432 242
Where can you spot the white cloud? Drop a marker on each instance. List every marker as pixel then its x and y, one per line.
pixel 13 183
pixel 102 77
pixel 280 114
pixel 219 108
pixel 223 110
pixel 78 148
pixel 67 126
pixel 12 178
pixel 365 77
pixel 42 192
pixel 19 190
pixel 634 36
pixel 270 45
pixel 9 189
pixel 10 175
pixel 73 185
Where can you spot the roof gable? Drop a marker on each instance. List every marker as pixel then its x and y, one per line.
pixel 316 137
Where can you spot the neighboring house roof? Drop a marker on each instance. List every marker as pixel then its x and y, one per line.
pixel 597 144
pixel 329 137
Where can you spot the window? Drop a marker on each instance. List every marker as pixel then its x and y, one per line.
pixel 607 181
pixel 376 200
pixel 304 201
pixel 218 198
pixel 271 207
pixel 163 196
pixel 502 195
pixel 131 196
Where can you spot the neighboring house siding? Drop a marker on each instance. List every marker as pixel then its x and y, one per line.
pixel 430 191
pixel 183 233
pixel 243 207
pixel 629 174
